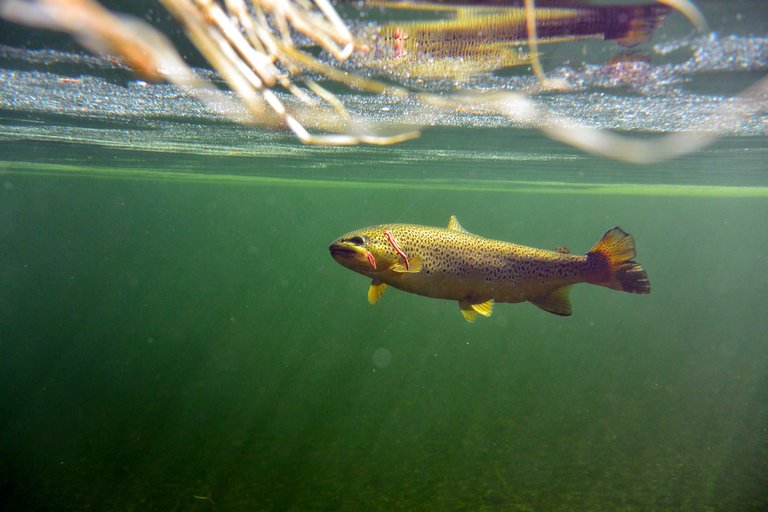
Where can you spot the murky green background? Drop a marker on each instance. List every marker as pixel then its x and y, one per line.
pixel 175 336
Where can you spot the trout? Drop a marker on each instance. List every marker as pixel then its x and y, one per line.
pixel 451 263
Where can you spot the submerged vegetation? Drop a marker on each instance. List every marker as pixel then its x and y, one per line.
pixel 265 51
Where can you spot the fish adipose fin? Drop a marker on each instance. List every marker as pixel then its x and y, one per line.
pixel 613 266
pixel 376 290
pixel 470 312
pixel 557 301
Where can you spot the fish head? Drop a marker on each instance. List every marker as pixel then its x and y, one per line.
pixel 366 251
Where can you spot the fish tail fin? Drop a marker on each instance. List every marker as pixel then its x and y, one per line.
pixel 611 265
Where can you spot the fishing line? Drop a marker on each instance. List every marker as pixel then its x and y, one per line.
pixel 409 208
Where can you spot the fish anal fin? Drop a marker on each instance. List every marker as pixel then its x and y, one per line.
pixel 468 312
pixel 563 250
pixel 376 290
pixel 557 301
pixel 414 266
pixel 453 224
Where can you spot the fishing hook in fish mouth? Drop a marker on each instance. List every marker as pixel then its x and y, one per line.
pixel 397 249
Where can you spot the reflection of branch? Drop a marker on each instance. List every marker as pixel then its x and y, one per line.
pixel 246 43
pixel 690 11
pixel 93 26
pixel 240 46
pixel 133 41
pixel 251 44
pixel 666 147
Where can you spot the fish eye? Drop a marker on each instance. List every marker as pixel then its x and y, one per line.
pixel 357 240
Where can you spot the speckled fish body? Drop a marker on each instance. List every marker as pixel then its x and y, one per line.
pixel 450 263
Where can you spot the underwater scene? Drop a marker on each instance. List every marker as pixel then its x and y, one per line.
pixel 176 335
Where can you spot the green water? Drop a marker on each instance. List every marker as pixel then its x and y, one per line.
pixel 175 336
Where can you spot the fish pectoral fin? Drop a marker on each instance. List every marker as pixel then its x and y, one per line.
pixel 376 290
pixel 454 225
pixel 556 301
pixel 470 312
pixel 563 250
pixel 415 263
pixel 414 266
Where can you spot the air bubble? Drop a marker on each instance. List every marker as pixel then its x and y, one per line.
pixel 382 357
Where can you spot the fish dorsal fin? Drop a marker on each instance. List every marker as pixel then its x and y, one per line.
pixel 470 312
pixel 556 301
pixel 414 265
pixel 376 290
pixel 563 250
pixel 454 225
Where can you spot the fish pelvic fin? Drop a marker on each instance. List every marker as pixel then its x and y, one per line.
pixel 376 290
pixel 611 263
pixel 470 312
pixel 557 301
pixel 414 266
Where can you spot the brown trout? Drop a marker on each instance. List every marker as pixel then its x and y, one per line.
pixel 477 272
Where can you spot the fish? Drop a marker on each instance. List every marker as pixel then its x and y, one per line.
pixel 477 272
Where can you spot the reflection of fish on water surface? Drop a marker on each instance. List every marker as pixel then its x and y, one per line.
pixel 481 36
pixel 457 265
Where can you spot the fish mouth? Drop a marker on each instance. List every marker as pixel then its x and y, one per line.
pixel 342 250
pixel 352 256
